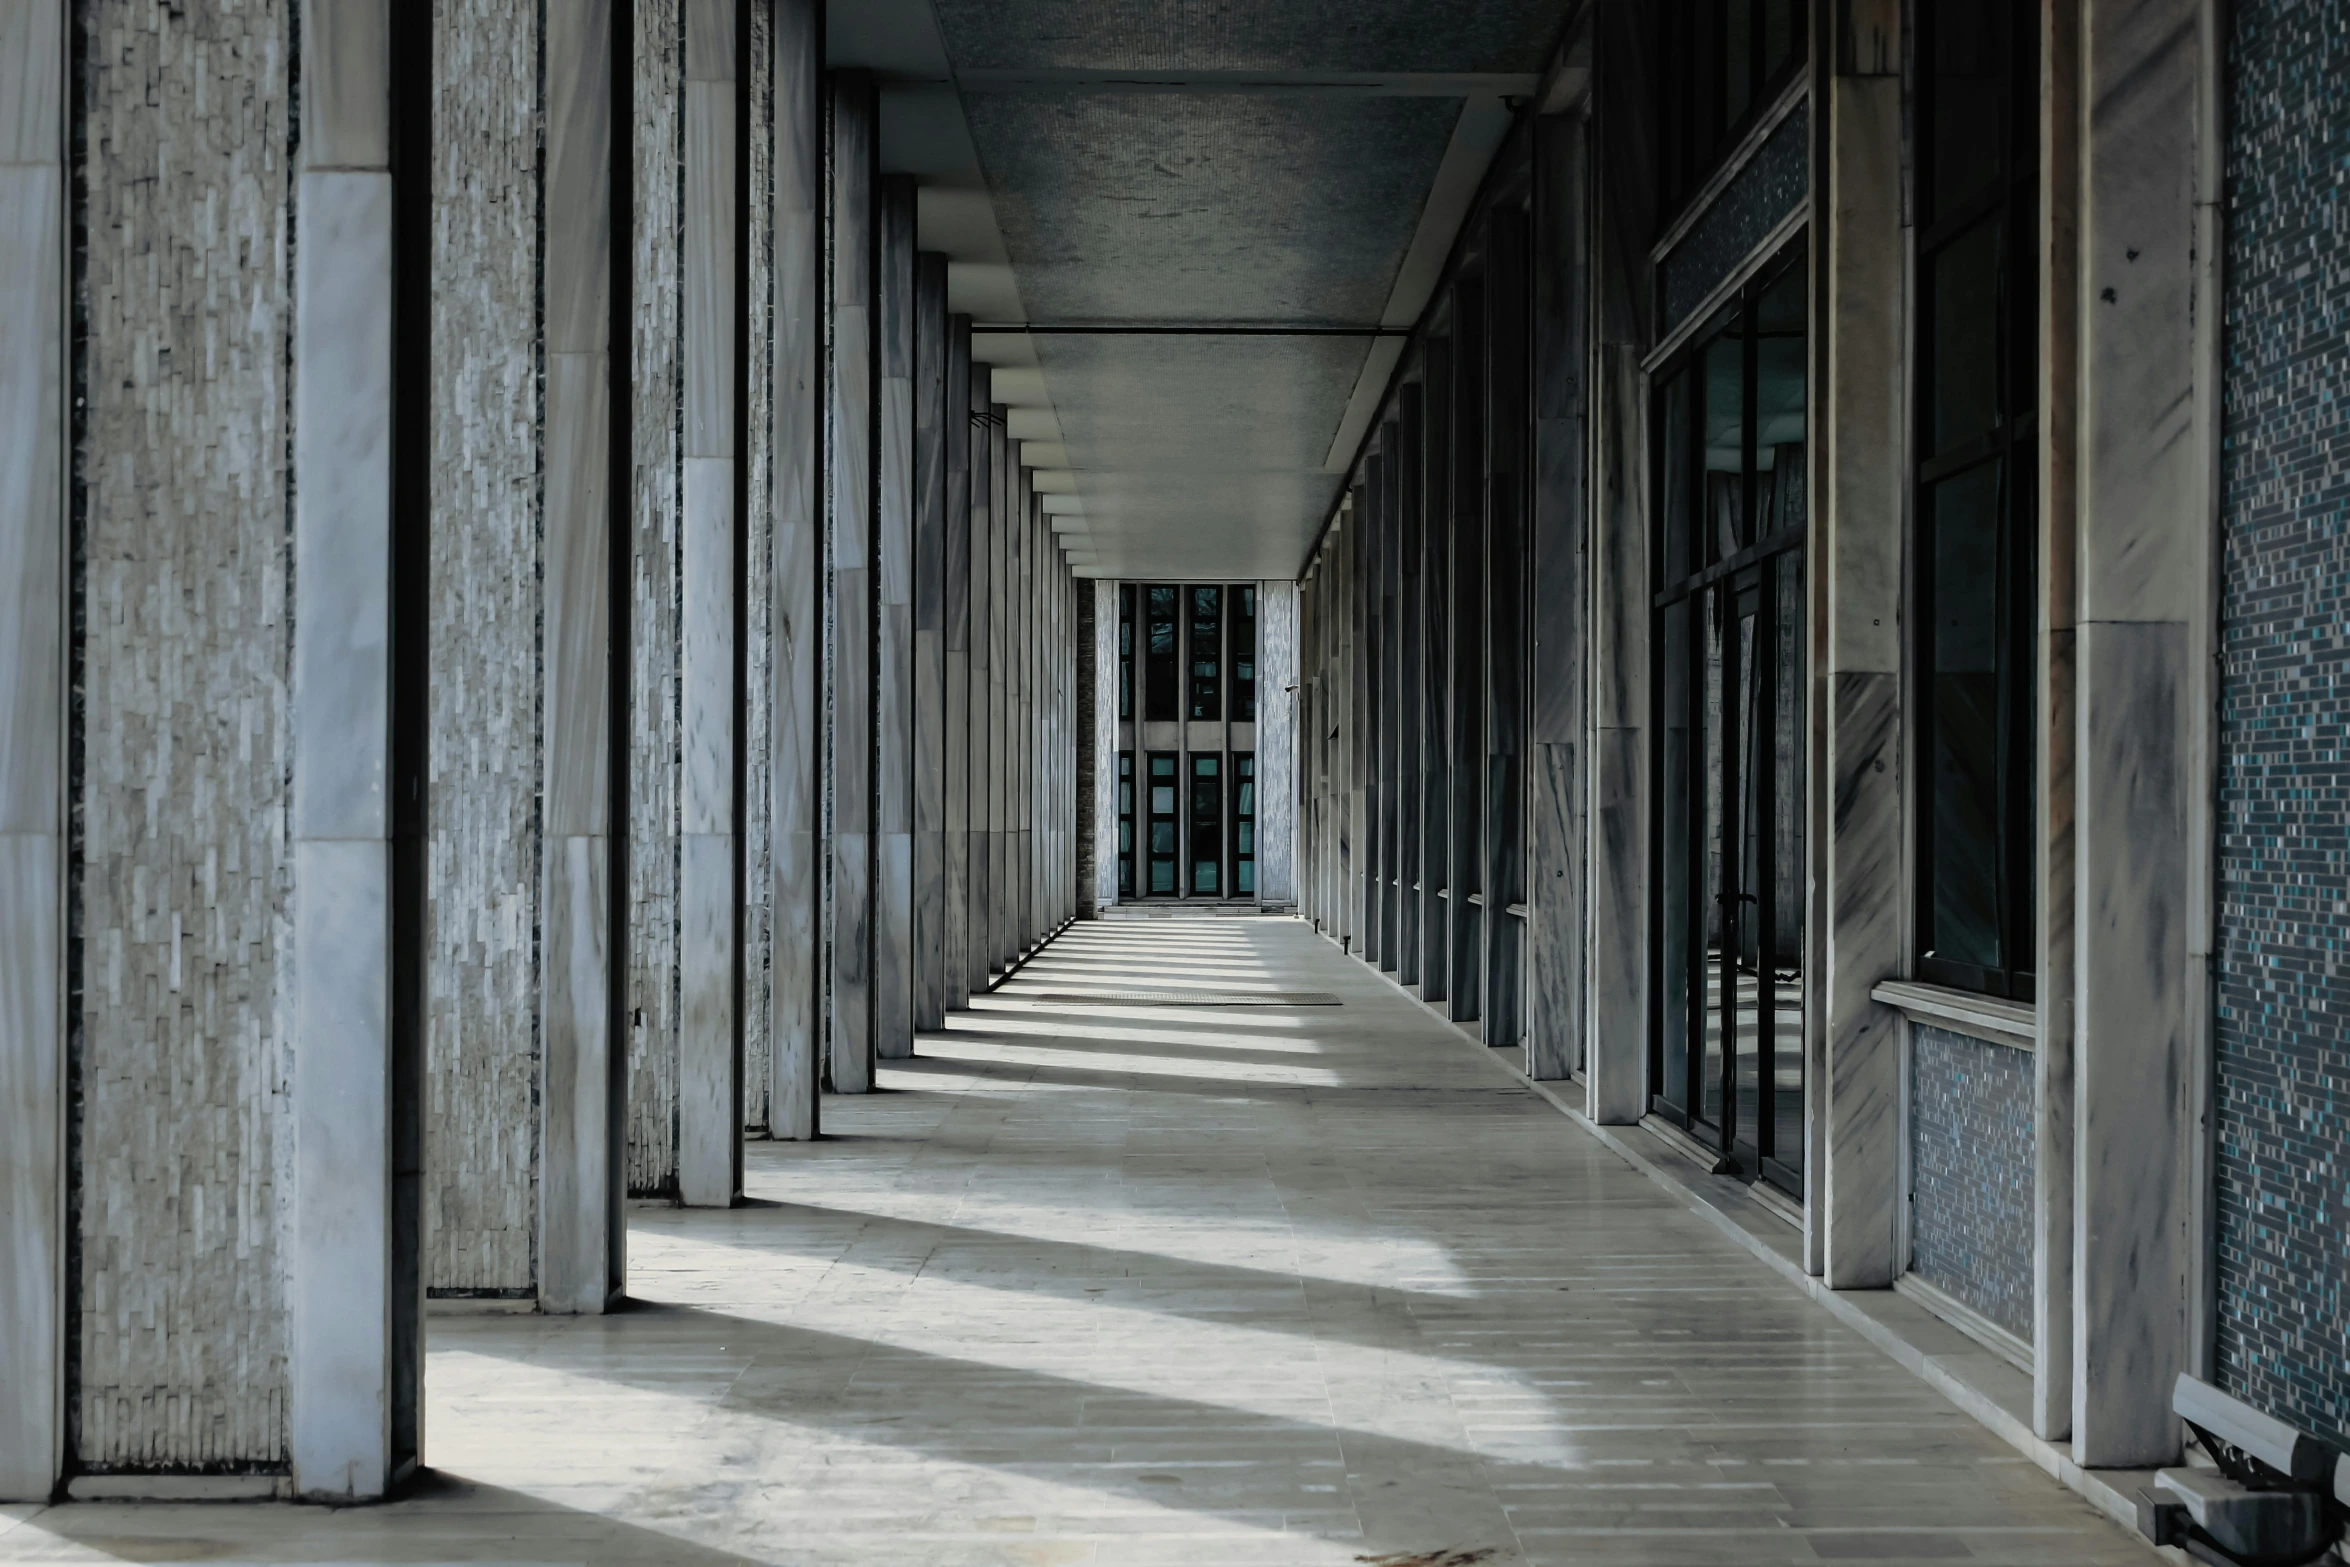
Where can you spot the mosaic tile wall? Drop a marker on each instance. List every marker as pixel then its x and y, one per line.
pixel 1970 1161
pixel 2284 1065
pixel 1773 183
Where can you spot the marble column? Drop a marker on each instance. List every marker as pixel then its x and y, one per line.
pixel 930 528
pixel 2143 761
pixel 955 634
pixel 979 608
pixel 1509 368
pixel 795 608
pixel 2055 739
pixel 1853 1068
pixel 353 1293
pixel 1615 1036
pixel 1465 857
pixel 851 412
pixel 1378 677
pixel 709 1040
pixel 1278 693
pixel 1409 628
pixel 1002 649
pixel 1558 846
pixel 1435 610
pixel 1104 739
pixel 582 1241
pixel 33 306
pixel 893 628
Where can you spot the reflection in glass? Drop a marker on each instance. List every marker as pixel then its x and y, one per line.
pixel 1968 87
pixel 1244 824
pixel 1682 986
pixel 1207 653
pixel 1725 444
pixel 1242 599
pixel 1160 676
pixel 1125 824
pixel 1963 283
pixel 1966 750
pixel 1207 818
pixel 1162 824
pixel 1126 650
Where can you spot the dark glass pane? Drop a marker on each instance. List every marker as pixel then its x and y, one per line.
pixel 1780 368
pixel 1244 829
pixel 1241 600
pixel 1125 652
pixel 1207 653
pixel 1679 532
pixel 1786 1129
pixel 1966 772
pixel 1160 676
pixel 1782 35
pixel 1714 756
pixel 1724 464
pixel 1207 818
pixel 1735 18
pixel 1967 100
pixel 1680 996
pixel 1962 289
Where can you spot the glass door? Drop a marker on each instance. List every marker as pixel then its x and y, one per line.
pixel 1727 1049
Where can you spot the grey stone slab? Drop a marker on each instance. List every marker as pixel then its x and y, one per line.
pixel 893 946
pixel 849 996
pixel 576 604
pixel 707 653
pixel 1555 944
pixel 710 281
pixel 346 84
pixel 32 83
pixel 339 1293
pixel 1277 737
pixel 32 1161
pixel 32 496
pixel 708 1130
pixel 710 40
pixel 342 511
pixel 578 196
pixel 1857 1103
pixel 1615 1045
pixel 581 1247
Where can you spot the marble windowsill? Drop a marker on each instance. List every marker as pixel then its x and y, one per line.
pixel 1516 910
pixel 2012 1023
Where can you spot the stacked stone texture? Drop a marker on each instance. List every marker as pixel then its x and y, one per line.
pixel 757 585
pixel 655 582
pixel 2282 1178
pixel 182 1051
pixel 482 947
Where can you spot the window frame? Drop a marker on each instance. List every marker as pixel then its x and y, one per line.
pixel 2011 198
pixel 1690 156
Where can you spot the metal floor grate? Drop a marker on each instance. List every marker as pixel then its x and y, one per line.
pixel 1187 998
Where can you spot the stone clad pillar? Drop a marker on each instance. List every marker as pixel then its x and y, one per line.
pixel 850 415
pixel 893 631
pixel 709 1091
pixel 795 609
pixel 955 635
pixel 930 655
pixel 33 369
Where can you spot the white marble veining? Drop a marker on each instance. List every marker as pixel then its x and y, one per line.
pixel 707 655
pixel 1104 740
pixel 32 1162
pixel 581 1250
pixel 708 1129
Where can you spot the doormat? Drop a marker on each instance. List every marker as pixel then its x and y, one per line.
pixel 1187 998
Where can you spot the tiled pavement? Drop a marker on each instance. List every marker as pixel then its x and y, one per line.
pixel 1102 1284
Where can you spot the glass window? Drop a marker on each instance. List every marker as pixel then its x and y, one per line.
pixel 1161 825
pixel 1125 824
pixel 1728 639
pixel 1207 827
pixel 1244 824
pixel 1974 618
pixel 1126 650
pixel 1725 62
pixel 1207 653
pixel 1241 597
pixel 1162 604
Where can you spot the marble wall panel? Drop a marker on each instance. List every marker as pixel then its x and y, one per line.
pixel 655 578
pixel 955 635
pixel 183 988
pixel 1615 1044
pixel 482 876
pixel 32 1162
pixel 1104 739
pixel 707 1124
pixel 795 603
pixel 582 1258
pixel 986 447
pixel 1856 1097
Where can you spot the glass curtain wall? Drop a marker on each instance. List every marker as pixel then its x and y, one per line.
pixel 1977 163
pixel 1187 708
pixel 1726 62
pixel 1727 1050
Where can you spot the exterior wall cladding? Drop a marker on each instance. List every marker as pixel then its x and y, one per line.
pixel 2284 992
pixel 1971 1177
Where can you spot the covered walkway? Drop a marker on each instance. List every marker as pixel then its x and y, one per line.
pixel 1099 1282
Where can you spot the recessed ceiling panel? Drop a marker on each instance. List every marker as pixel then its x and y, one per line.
pixel 1250 35
pixel 1208 206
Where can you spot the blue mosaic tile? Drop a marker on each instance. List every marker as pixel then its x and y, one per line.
pixel 2284 857
pixel 1970 1168
pixel 1772 184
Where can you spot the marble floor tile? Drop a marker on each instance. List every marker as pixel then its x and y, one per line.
pixel 1145 1285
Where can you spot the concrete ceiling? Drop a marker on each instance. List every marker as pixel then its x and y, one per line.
pixel 1193 217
